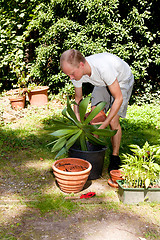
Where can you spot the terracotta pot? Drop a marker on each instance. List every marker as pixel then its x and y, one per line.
pixel 99 118
pixel 71 174
pixel 17 102
pixel 38 97
pixel 116 175
pixel 112 184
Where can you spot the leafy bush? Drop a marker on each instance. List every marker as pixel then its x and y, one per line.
pixel 129 29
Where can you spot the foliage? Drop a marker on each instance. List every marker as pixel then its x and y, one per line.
pixel 36 33
pixel 14 17
pixel 140 169
pixel 75 131
pixel 141 117
pixel 147 96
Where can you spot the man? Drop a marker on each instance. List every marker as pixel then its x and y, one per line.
pixel 113 81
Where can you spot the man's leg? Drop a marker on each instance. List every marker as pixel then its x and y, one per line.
pixel 100 94
pixel 116 140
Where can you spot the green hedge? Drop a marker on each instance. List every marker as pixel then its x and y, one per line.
pixel 127 28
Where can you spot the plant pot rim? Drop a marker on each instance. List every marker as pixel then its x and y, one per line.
pixel 38 88
pixel 79 150
pixel 71 173
pixel 116 172
pixel 120 183
pixel 112 184
pixel 15 98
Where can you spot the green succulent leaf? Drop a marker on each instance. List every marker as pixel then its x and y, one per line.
pixel 105 132
pixel 83 108
pixel 89 128
pixel 95 111
pixel 64 113
pixel 73 139
pixel 61 152
pixel 83 142
pixel 59 144
pixel 57 124
pixel 63 132
pixel 92 139
pixel 51 143
pixel 71 113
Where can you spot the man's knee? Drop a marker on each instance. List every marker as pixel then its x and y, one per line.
pixel 114 123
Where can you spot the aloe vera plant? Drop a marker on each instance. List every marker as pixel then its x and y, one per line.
pixel 140 169
pixel 74 131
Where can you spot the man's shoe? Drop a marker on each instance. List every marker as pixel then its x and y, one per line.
pixel 115 163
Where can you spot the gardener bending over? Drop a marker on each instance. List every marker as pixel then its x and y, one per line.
pixel 113 81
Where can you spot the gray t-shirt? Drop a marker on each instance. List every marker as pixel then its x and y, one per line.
pixel 105 68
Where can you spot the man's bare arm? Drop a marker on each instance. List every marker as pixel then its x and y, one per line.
pixel 78 98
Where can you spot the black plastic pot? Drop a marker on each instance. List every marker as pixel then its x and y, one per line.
pixel 95 156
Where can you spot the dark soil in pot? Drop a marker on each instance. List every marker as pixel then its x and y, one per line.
pixel 69 167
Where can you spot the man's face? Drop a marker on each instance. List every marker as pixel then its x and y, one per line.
pixel 74 72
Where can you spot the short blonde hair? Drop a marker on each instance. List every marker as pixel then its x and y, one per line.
pixel 72 56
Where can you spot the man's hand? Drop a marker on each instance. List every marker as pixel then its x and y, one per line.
pixel 118 99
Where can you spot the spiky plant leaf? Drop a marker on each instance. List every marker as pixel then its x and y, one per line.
pixel 95 111
pixel 83 142
pixel 51 143
pixel 71 113
pixel 57 124
pixel 63 132
pixel 92 139
pixel 105 132
pixel 73 139
pixel 89 128
pixel 59 144
pixel 65 113
pixel 61 152
pixel 83 108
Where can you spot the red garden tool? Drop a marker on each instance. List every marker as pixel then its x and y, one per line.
pixel 87 195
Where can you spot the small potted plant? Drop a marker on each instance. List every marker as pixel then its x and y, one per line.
pixel 17 95
pixel 78 137
pixel 141 175
pixel 115 175
pixel 17 98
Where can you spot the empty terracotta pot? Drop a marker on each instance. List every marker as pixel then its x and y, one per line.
pixel 116 175
pixel 71 174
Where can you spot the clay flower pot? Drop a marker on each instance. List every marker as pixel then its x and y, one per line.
pixel 38 96
pixel 71 174
pixel 98 119
pixel 17 102
pixel 115 175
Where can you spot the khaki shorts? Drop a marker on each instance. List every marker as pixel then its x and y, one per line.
pixel 100 94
